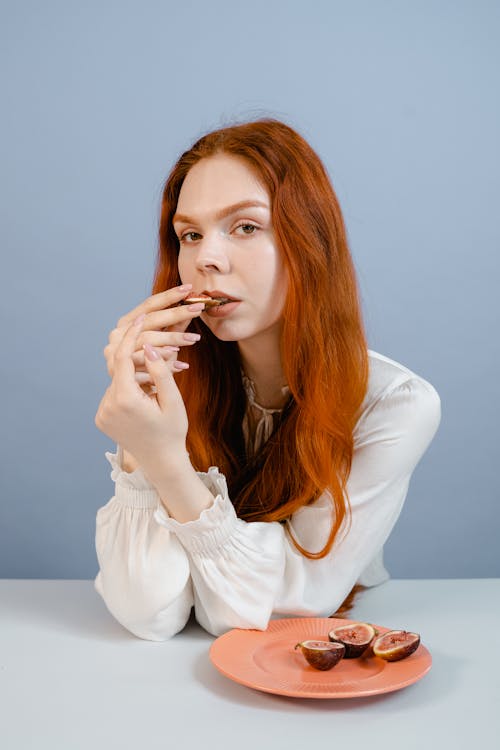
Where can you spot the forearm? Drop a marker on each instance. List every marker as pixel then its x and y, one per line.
pixel 144 575
pixel 181 491
pixel 129 464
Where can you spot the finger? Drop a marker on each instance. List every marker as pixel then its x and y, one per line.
pixel 182 315
pixel 142 378
pixel 159 339
pixel 151 391
pixel 175 318
pixel 180 327
pixel 164 342
pixel 156 302
pixel 165 351
pixel 162 374
pixel 159 342
pixel 124 369
pixel 138 356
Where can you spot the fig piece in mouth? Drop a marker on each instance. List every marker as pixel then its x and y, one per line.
pixel 356 637
pixel 322 654
pixel 396 644
pixel 191 299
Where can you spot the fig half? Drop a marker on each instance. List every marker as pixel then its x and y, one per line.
pixel 396 644
pixel 356 637
pixel 322 654
pixel 209 301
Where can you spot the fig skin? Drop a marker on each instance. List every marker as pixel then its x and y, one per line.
pixel 356 638
pixel 403 644
pixel 322 658
pixel 368 652
pixel 209 301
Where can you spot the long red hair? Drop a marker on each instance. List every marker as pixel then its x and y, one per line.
pixel 323 350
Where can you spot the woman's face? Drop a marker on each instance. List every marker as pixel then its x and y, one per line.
pixel 230 250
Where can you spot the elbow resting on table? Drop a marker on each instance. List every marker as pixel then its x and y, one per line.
pixel 142 621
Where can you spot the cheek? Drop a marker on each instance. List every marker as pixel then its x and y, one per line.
pixel 183 265
pixel 268 269
pixel 278 283
pixel 273 292
pixel 280 290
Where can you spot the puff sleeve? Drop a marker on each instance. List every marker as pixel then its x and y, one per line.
pixel 143 569
pixel 245 573
pixel 153 569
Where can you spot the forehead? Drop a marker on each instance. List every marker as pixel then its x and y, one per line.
pixel 218 181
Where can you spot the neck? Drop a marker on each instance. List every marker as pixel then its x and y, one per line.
pixel 261 361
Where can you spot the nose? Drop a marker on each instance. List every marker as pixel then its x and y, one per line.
pixel 211 255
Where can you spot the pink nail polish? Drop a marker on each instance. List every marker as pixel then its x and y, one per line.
pixel 139 320
pixel 185 287
pixel 150 353
pixel 180 365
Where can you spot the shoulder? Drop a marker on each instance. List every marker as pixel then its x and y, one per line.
pixel 397 401
pixel 386 377
pixel 387 374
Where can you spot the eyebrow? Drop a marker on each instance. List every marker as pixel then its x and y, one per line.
pixel 223 212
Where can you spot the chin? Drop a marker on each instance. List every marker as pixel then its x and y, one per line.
pixel 225 330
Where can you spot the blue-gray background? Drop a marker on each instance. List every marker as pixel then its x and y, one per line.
pixel 399 99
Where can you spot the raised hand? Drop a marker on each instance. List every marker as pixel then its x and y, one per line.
pixel 164 327
pixel 153 430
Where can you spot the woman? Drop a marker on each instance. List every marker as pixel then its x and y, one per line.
pixel 264 478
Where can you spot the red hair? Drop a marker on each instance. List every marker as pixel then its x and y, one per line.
pixel 324 351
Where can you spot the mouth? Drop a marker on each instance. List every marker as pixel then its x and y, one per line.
pixel 215 298
pixel 223 298
pixel 223 310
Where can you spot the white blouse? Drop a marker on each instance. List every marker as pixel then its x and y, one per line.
pixel 239 574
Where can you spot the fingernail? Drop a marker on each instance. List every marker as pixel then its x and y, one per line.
pixel 197 306
pixel 180 365
pixel 150 353
pixel 185 287
pixel 139 320
pixel 169 349
pixel 192 336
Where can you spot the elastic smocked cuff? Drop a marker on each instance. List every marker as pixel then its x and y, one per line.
pixel 132 490
pixel 136 479
pixel 132 498
pixel 208 534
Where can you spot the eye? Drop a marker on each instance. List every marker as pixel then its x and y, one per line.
pixel 182 238
pixel 246 226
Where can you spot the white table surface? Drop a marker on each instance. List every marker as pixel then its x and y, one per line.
pixel 71 677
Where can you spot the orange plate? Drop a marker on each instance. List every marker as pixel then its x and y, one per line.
pixel 266 660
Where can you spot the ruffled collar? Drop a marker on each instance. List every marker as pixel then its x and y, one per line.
pixel 265 425
pixel 249 387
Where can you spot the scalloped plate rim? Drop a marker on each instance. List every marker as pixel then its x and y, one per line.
pixel 404 672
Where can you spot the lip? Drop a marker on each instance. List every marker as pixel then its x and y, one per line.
pixel 222 311
pixel 219 293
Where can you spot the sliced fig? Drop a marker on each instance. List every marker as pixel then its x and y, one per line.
pixel 356 637
pixel 191 299
pixel 396 644
pixel 322 654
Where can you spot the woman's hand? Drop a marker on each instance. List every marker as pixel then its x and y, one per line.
pixel 151 429
pixel 165 326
